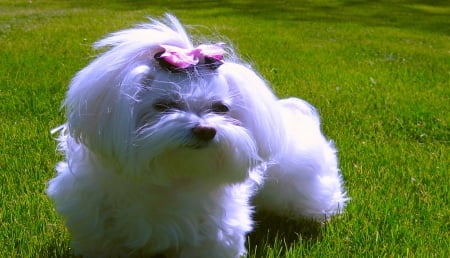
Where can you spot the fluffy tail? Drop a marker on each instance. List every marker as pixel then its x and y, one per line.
pixel 305 180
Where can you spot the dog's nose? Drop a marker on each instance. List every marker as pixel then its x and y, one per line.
pixel 203 132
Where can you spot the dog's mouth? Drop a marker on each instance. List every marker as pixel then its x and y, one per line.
pixel 197 145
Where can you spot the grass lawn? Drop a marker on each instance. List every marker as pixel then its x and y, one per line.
pixel 378 72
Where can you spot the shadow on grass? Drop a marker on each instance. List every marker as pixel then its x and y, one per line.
pixel 271 229
pixel 426 15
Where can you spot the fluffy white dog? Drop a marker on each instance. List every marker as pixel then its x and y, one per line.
pixel 166 144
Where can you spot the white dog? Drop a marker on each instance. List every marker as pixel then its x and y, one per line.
pixel 166 144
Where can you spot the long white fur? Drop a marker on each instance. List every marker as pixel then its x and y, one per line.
pixel 131 184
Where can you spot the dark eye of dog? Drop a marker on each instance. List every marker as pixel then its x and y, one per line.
pixel 219 107
pixel 166 106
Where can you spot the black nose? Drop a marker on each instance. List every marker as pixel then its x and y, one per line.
pixel 204 133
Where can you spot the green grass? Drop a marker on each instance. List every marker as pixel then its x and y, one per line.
pixel 378 71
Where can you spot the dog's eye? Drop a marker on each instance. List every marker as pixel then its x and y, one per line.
pixel 166 106
pixel 220 108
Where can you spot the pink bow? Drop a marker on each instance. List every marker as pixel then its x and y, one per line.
pixel 184 58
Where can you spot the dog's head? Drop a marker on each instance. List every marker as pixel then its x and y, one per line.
pixel 154 101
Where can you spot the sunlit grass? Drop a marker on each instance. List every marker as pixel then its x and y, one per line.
pixel 377 71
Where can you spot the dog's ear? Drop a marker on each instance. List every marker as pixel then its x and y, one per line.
pixel 99 103
pixel 260 105
pixel 99 106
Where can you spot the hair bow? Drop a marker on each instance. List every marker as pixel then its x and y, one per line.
pixel 178 59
